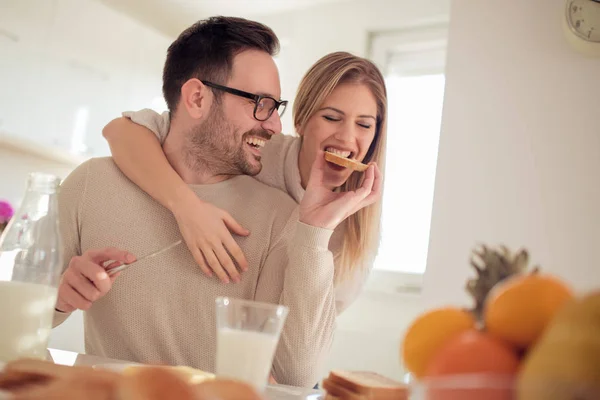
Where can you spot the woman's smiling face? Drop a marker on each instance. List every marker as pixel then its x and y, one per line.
pixel 344 124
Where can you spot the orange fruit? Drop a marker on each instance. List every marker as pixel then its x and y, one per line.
pixel 472 366
pixel 429 332
pixel 474 352
pixel 519 309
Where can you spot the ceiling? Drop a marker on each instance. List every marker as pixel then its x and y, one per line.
pixel 173 16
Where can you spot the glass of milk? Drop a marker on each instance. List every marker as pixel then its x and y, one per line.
pixel 30 266
pixel 247 336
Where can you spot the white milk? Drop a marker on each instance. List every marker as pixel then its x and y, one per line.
pixel 245 355
pixel 26 316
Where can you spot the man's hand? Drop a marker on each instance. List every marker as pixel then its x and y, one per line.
pixel 85 280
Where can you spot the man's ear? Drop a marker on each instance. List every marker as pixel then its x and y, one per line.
pixel 196 98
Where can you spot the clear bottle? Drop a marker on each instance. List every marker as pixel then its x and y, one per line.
pixel 30 266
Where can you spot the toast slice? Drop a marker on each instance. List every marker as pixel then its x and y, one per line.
pixel 339 392
pixel 345 162
pixel 371 385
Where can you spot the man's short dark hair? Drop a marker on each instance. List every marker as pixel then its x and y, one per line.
pixel 206 50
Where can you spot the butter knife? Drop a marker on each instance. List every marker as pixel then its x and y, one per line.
pixel 113 271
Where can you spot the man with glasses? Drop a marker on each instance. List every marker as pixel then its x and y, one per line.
pixel 222 88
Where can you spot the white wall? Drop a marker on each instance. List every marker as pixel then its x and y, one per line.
pixel 15 166
pixel 67 67
pixel 519 156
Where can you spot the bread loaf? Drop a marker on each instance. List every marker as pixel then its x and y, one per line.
pixel 154 383
pixel 44 380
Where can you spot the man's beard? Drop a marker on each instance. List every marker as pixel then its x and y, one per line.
pixel 215 146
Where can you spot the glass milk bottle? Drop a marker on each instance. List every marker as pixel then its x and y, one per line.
pixel 30 265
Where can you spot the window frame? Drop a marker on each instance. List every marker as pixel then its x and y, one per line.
pixel 429 42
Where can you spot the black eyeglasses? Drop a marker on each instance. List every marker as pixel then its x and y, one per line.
pixel 263 105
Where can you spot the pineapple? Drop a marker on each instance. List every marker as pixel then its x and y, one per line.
pixel 493 266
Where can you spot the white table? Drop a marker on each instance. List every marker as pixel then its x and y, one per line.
pixel 273 392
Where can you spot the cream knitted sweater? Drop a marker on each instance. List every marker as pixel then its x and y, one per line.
pixel 162 309
pixel 280 170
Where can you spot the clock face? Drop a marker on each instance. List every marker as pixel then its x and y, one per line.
pixel 583 17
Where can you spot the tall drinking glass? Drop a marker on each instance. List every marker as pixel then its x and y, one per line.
pixel 247 336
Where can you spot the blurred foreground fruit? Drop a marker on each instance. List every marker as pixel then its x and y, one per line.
pixel 525 335
pixel 565 363
pixel 519 309
pixel 472 366
pixel 474 352
pixel 429 332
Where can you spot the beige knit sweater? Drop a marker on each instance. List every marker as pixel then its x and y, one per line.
pixel 162 310
pixel 280 170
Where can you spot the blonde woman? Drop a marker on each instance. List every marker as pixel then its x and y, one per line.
pixel 340 106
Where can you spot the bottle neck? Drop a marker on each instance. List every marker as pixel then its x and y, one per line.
pixel 43 183
pixel 41 197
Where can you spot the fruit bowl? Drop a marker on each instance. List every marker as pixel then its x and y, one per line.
pixel 496 387
pixel 464 387
pixel 527 336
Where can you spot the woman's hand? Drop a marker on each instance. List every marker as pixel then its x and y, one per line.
pixel 325 208
pixel 206 231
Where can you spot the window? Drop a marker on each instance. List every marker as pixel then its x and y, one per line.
pixel 413 64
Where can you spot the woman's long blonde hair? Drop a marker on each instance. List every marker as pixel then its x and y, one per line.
pixel 362 230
